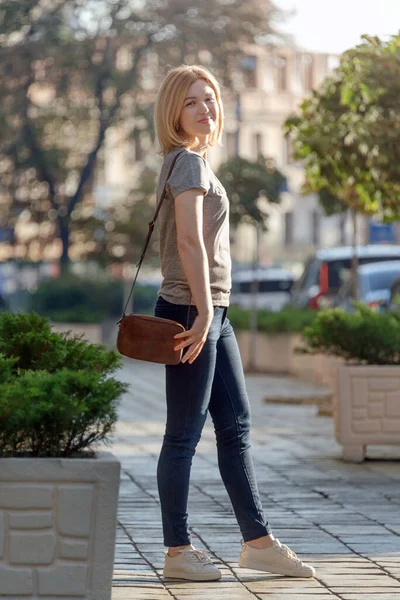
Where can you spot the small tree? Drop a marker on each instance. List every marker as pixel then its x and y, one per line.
pixel 330 204
pixel 119 232
pixel 347 133
pixel 245 182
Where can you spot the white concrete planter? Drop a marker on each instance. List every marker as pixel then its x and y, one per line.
pixel 328 378
pixel 368 408
pixel 308 367
pixel 273 351
pixel 58 527
pixel 91 331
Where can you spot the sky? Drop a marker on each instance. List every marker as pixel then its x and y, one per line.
pixel 335 26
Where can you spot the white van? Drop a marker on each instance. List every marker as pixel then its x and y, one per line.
pixel 274 285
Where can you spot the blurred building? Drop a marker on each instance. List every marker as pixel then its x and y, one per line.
pixel 269 85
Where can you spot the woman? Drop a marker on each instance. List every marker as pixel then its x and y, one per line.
pixel 196 267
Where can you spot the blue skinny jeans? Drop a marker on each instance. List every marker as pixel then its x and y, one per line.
pixel 213 382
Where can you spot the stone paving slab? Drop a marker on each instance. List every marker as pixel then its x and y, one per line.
pixel 341 517
pixel 291 390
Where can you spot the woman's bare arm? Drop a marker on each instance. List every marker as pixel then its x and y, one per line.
pixel 192 252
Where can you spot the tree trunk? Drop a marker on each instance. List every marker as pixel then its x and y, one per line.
pixel 238 114
pixel 354 260
pixel 63 224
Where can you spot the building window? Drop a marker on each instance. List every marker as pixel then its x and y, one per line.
pixel 315 228
pixel 257 145
pixel 281 73
pixel 230 145
pixel 307 72
pixel 288 228
pixel 249 70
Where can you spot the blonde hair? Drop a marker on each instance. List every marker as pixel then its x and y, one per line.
pixel 169 104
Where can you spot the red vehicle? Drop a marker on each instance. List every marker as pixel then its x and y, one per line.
pixel 326 271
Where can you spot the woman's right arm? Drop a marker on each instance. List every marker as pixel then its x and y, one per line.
pixel 192 252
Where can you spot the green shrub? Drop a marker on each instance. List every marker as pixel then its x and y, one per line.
pixel 144 298
pixel 239 318
pixel 71 299
pixel 288 320
pixel 57 397
pixel 362 337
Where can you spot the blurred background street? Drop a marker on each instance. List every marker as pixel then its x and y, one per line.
pixel 78 159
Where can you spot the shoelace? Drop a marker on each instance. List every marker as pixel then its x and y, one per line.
pixel 283 549
pixel 197 556
pixel 286 551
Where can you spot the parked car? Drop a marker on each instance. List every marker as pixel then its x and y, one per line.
pixel 274 285
pixel 374 282
pixel 393 303
pixel 326 271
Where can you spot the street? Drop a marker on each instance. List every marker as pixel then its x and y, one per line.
pixel 343 518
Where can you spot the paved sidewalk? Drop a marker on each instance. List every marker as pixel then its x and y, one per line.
pixel 343 518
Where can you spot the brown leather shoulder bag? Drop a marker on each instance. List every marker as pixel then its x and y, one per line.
pixel 145 337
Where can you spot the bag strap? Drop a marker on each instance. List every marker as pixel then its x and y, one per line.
pixel 149 233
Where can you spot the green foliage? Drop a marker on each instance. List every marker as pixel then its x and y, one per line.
pixel 29 339
pixel 288 320
pixel 51 134
pixel 245 182
pixel 56 394
pixel 6 368
pixel 331 204
pixel 239 318
pixel 70 299
pixel 362 337
pixel 121 229
pixel 144 298
pixel 347 133
pixel 73 299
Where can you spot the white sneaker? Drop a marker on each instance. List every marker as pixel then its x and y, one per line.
pixel 191 564
pixel 276 559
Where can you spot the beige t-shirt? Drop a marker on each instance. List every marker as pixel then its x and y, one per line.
pixel 192 171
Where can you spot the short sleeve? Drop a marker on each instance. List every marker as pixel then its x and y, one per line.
pixel 189 172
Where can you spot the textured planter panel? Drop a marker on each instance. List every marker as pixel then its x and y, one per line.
pixel 276 352
pixel 58 526
pixel 368 405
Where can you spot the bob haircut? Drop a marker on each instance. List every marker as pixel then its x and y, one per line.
pixel 169 104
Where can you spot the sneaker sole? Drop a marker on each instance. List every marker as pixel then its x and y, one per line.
pixel 246 563
pixel 178 574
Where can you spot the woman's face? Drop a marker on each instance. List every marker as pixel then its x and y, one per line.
pixel 199 115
